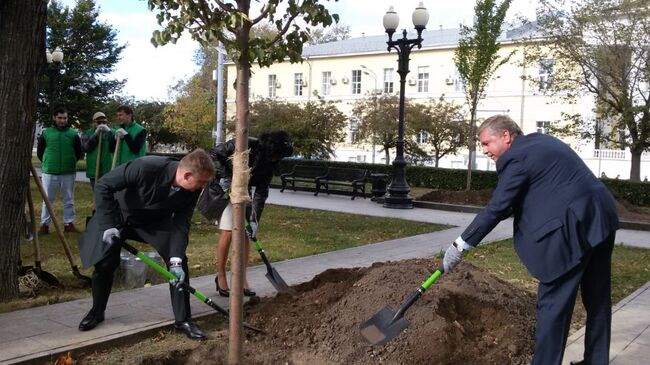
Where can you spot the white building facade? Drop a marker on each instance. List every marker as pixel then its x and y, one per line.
pixel 346 71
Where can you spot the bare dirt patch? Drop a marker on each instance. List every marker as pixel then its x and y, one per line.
pixel 468 316
pixel 480 198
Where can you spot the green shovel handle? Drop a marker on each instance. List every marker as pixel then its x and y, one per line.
pixel 427 283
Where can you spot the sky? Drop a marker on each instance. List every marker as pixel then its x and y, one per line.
pixel 150 71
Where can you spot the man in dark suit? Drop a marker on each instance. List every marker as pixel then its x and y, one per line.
pixel 150 199
pixel 564 226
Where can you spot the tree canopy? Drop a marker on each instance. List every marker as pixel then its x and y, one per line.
pixel 315 127
pixel 477 58
pixel 600 47
pixel 90 51
pixel 442 126
pixel 375 120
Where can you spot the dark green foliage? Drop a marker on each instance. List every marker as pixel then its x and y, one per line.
pixel 636 193
pixel 90 54
pixel 428 177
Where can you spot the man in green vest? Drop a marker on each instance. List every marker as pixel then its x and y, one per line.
pixel 133 137
pixel 90 144
pixel 59 148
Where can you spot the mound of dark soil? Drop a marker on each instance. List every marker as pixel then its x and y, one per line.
pixel 466 317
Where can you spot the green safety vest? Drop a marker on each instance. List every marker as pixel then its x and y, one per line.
pixel 59 157
pixel 105 158
pixel 124 154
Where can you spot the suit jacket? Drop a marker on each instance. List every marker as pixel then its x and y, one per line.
pixel 139 195
pixel 561 210
pixel 214 200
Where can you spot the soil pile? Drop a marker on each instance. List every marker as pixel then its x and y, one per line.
pixel 467 316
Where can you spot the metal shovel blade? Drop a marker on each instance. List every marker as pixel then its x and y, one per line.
pixel 383 327
pixel 278 283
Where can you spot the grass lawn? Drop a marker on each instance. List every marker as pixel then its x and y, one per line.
pixel 284 232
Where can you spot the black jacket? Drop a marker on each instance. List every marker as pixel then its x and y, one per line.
pixel 139 195
pixel 214 200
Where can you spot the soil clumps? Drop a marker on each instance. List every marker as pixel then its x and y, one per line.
pixel 466 317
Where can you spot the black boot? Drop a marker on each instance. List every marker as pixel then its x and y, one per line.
pixel 90 321
pixel 191 330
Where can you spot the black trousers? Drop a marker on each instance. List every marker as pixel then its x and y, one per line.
pixel 555 302
pixel 102 282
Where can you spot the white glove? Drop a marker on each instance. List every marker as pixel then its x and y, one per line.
pixel 176 268
pixel 453 256
pixel 120 133
pixel 224 182
pixel 110 235
pixel 103 128
pixel 252 232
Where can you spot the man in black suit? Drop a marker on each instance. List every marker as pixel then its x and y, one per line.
pixel 150 199
pixel 565 222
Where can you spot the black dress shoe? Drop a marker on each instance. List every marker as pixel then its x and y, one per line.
pixel 90 321
pixel 581 362
pixel 191 330
pixel 249 293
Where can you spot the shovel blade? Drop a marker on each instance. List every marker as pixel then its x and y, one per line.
pixel 382 327
pixel 278 283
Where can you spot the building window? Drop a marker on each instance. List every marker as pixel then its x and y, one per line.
pixel 459 84
pixel 423 79
pixel 356 81
pixel 326 87
pixel 543 127
pixel 388 80
pixel 272 85
pixel 545 74
pixel 297 84
pixel 423 137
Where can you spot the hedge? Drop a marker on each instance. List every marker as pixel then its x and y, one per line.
pixel 636 193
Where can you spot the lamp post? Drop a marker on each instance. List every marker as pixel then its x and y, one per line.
pixel 398 190
pixel 54 61
pixel 372 74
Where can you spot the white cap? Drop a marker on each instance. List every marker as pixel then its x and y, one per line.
pixel 98 115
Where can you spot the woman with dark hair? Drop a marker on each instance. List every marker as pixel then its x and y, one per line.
pixel 265 153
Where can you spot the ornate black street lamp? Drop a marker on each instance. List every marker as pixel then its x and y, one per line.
pixel 398 191
pixel 54 61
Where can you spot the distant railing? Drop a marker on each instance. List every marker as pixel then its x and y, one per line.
pixel 610 154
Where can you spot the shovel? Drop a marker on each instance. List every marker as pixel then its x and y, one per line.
pixel 97 169
pixel 40 273
pixel 190 289
pixel 274 277
pixel 57 226
pixel 118 145
pixel 387 324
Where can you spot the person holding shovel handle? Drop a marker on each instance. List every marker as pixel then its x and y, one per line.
pixel 96 145
pixel 132 135
pixel 214 204
pixel 59 149
pixel 150 199
pixel 565 222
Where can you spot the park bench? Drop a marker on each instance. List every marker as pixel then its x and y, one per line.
pixel 354 178
pixel 303 174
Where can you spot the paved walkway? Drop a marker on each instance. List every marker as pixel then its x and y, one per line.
pixel 34 335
